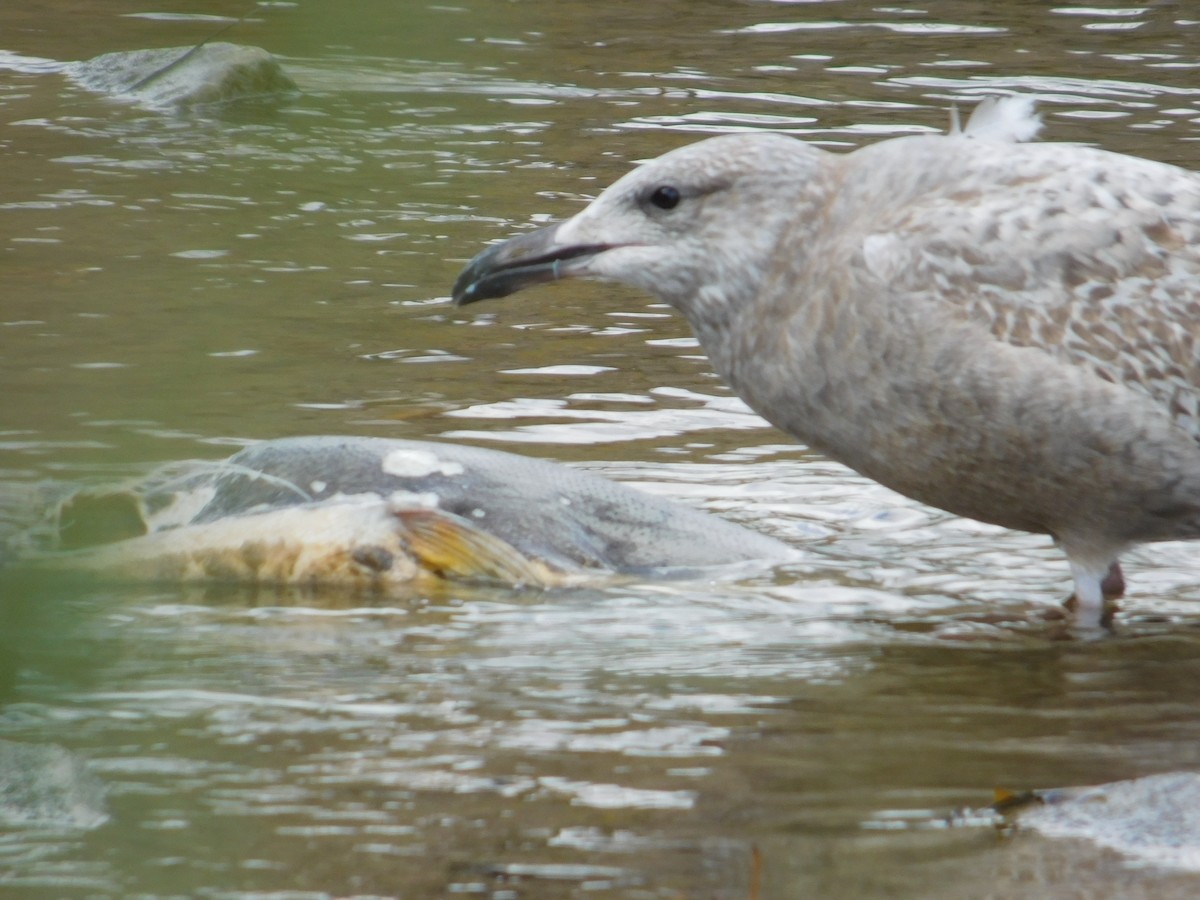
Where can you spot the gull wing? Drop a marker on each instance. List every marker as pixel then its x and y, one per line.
pixel 1090 256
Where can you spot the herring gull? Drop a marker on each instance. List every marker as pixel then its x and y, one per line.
pixel 1008 331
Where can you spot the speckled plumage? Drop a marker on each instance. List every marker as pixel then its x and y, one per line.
pixel 1007 331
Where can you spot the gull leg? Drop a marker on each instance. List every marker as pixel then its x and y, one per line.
pixel 1095 585
pixel 1113 585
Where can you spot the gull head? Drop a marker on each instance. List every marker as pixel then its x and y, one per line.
pixel 691 227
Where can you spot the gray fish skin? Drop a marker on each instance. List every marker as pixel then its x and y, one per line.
pixel 371 514
pixel 550 512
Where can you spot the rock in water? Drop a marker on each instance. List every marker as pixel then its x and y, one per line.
pixel 374 513
pixel 1155 820
pixel 45 785
pixel 1007 331
pixel 182 77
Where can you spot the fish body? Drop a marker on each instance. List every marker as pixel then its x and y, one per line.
pixel 375 513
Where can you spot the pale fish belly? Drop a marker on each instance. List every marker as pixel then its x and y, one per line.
pixel 373 513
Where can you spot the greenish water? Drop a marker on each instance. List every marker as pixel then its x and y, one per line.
pixel 175 286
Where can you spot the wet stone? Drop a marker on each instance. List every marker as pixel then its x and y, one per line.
pixel 181 77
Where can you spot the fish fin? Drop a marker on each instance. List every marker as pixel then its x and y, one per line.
pixel 451 546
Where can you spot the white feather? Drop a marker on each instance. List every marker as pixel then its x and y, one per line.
pixel 1007 119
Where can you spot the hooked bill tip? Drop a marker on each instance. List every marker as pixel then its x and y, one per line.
pixel 520 262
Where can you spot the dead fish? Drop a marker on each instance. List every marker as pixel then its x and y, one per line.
pixel 374 513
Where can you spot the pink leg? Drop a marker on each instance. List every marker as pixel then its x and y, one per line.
pixel 1113 585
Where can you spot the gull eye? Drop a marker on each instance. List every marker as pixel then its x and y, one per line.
pixel 665 197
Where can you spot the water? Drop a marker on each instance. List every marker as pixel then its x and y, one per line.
pixel 175 286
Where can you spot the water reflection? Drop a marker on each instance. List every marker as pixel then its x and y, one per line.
pixel 411 732
pixel 175 285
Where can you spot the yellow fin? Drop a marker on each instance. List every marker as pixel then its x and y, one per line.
pixel 451 546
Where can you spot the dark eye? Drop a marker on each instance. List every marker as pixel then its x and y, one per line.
pixel 665 197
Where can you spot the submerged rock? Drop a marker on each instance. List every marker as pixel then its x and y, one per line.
pixel 182 77
pixel 44 784
pixel 1155 820
pixel 376 513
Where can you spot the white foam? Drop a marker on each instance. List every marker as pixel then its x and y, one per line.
pixel 418 464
